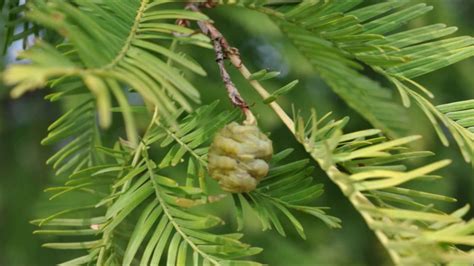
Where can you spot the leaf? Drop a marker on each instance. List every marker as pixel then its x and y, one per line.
pixel 263 75
pixel 73 245
pixel 100 90
pixel 283 90
pixel 148 218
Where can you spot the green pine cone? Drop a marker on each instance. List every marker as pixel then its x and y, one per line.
pixel 238 157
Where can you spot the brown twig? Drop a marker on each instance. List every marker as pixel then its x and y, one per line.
pixel 223 51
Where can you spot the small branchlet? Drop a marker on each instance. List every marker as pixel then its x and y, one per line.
pixel 223 51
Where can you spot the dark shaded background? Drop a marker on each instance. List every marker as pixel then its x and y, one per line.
pixel 23 123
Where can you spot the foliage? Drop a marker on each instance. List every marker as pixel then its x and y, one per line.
pixel 131 183
pixel 338 38
pixel 369 170
pixel 131 211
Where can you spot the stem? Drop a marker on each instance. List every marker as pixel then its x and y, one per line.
pixel 223 51
pixel 237 62
pixel 131 36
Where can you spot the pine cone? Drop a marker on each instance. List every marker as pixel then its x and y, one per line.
pixel 238 157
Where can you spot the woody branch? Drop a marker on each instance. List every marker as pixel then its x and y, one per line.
pixel 223 51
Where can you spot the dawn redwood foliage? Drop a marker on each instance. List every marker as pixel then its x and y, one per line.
pixel 97 53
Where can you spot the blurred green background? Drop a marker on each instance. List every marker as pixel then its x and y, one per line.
pixel 23 123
